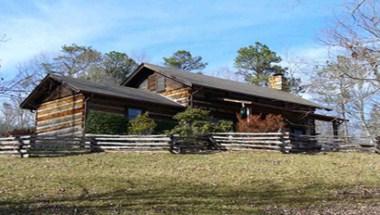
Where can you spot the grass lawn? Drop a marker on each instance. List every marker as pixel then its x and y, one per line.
pixel 162 183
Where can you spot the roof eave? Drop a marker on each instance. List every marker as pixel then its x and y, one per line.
pixel 313 106
pixel 327 118
pixel 133 74
pixel 185 82
pixel 176 105
pixel 144 65
pixel 25 104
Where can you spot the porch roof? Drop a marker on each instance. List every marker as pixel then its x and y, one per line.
pixel 326 118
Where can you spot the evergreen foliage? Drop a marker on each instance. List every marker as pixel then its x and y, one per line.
pixel 195 122
pixel 184 60
pixel 142 125
pixel 98 122
pixel 256 63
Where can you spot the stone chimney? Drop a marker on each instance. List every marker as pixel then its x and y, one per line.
pixel 277 81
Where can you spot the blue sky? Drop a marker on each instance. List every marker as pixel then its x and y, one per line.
pixel 150 30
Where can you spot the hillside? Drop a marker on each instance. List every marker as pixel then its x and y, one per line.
pixel 161 183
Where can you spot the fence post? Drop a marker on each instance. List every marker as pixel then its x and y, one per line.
pixel 20 146
pixel 285 140
pixel 93 144
pixel 171 142
pixel 23 146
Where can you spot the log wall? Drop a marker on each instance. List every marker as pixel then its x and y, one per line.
pixel 118 106
pixel 62 116
pixel 173 89
pixel 212 100
pixel 180 95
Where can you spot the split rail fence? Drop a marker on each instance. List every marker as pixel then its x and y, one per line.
pixel 257 141
pixel 101 142
pixel 303 143
pixel 34 146
pixel 43 146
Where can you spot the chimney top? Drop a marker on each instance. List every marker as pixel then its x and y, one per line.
pixel 277 81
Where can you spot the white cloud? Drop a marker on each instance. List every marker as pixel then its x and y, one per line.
pixel 312 54
pixel 302 60
pixel 49 26
pixel 44 26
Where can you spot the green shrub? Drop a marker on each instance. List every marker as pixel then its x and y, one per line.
pixel 223 126
pixel 195 122
pixel 98 122
pixel 142 124
pixel 164 125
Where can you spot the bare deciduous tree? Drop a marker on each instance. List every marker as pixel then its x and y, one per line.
pixel 351 98
pixel 358 35
pixel 332 88
pixel 356 73
pixel 374 121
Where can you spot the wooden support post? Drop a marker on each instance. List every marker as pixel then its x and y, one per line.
pixel 286 145
pixel 335 126
pixel 20 146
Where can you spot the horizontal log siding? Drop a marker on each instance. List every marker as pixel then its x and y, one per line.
pixel 63 116
pixel 118 106
pixel 213 100
pixel 173 89
pixel 181 95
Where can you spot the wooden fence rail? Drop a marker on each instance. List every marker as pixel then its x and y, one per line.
pixel 129 142
pixel 58 146
pixel 331 143
pixel 34 146
pixel 10 146
pixel 248 141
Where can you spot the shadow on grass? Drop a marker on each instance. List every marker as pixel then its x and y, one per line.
pixel 175 199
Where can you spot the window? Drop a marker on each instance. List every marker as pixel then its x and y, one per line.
pixel 160 85
pixel 133 113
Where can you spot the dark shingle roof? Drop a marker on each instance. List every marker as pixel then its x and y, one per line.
pixel 228 85
pixel 108 90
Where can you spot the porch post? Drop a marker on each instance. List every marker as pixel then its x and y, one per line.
pixel 335 126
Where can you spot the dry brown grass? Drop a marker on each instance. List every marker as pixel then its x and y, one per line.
pixel 161 183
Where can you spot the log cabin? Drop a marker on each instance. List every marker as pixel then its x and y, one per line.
pixel 61 104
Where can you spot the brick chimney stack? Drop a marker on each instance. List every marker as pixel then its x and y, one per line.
pixel 277 81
